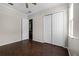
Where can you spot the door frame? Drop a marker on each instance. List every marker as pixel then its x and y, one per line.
pixel 22 28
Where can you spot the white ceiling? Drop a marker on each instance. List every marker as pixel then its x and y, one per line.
pixel 33 8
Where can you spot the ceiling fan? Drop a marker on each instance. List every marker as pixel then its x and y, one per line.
pixel 26 4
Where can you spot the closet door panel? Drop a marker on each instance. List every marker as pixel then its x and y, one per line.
pixel 57 29
pixel 47 29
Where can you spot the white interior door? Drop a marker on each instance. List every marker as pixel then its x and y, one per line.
pixel 58 29
pixel 47 29
pixel 25 29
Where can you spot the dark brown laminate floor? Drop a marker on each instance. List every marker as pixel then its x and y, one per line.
pixel 27 48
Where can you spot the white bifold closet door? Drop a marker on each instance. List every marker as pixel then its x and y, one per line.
pixel 47 29
pixel 58 29
pixel 54 29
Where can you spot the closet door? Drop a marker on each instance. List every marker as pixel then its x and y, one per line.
pixel 58 29
pixel 47 29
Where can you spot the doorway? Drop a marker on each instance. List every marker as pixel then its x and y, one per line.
pixel 30 29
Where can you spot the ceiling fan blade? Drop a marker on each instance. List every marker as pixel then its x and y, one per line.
pixel 34 3
pixel 10 3
pixel 26 5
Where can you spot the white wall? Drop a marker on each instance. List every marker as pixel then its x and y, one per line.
pixel 38 21
pixel 73 42
pixel 10 25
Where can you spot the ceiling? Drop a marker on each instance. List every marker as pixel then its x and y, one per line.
pixel 33 8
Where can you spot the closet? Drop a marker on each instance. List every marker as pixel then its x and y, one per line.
pixel 55 28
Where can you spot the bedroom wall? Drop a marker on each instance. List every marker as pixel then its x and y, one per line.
pixel 10 25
